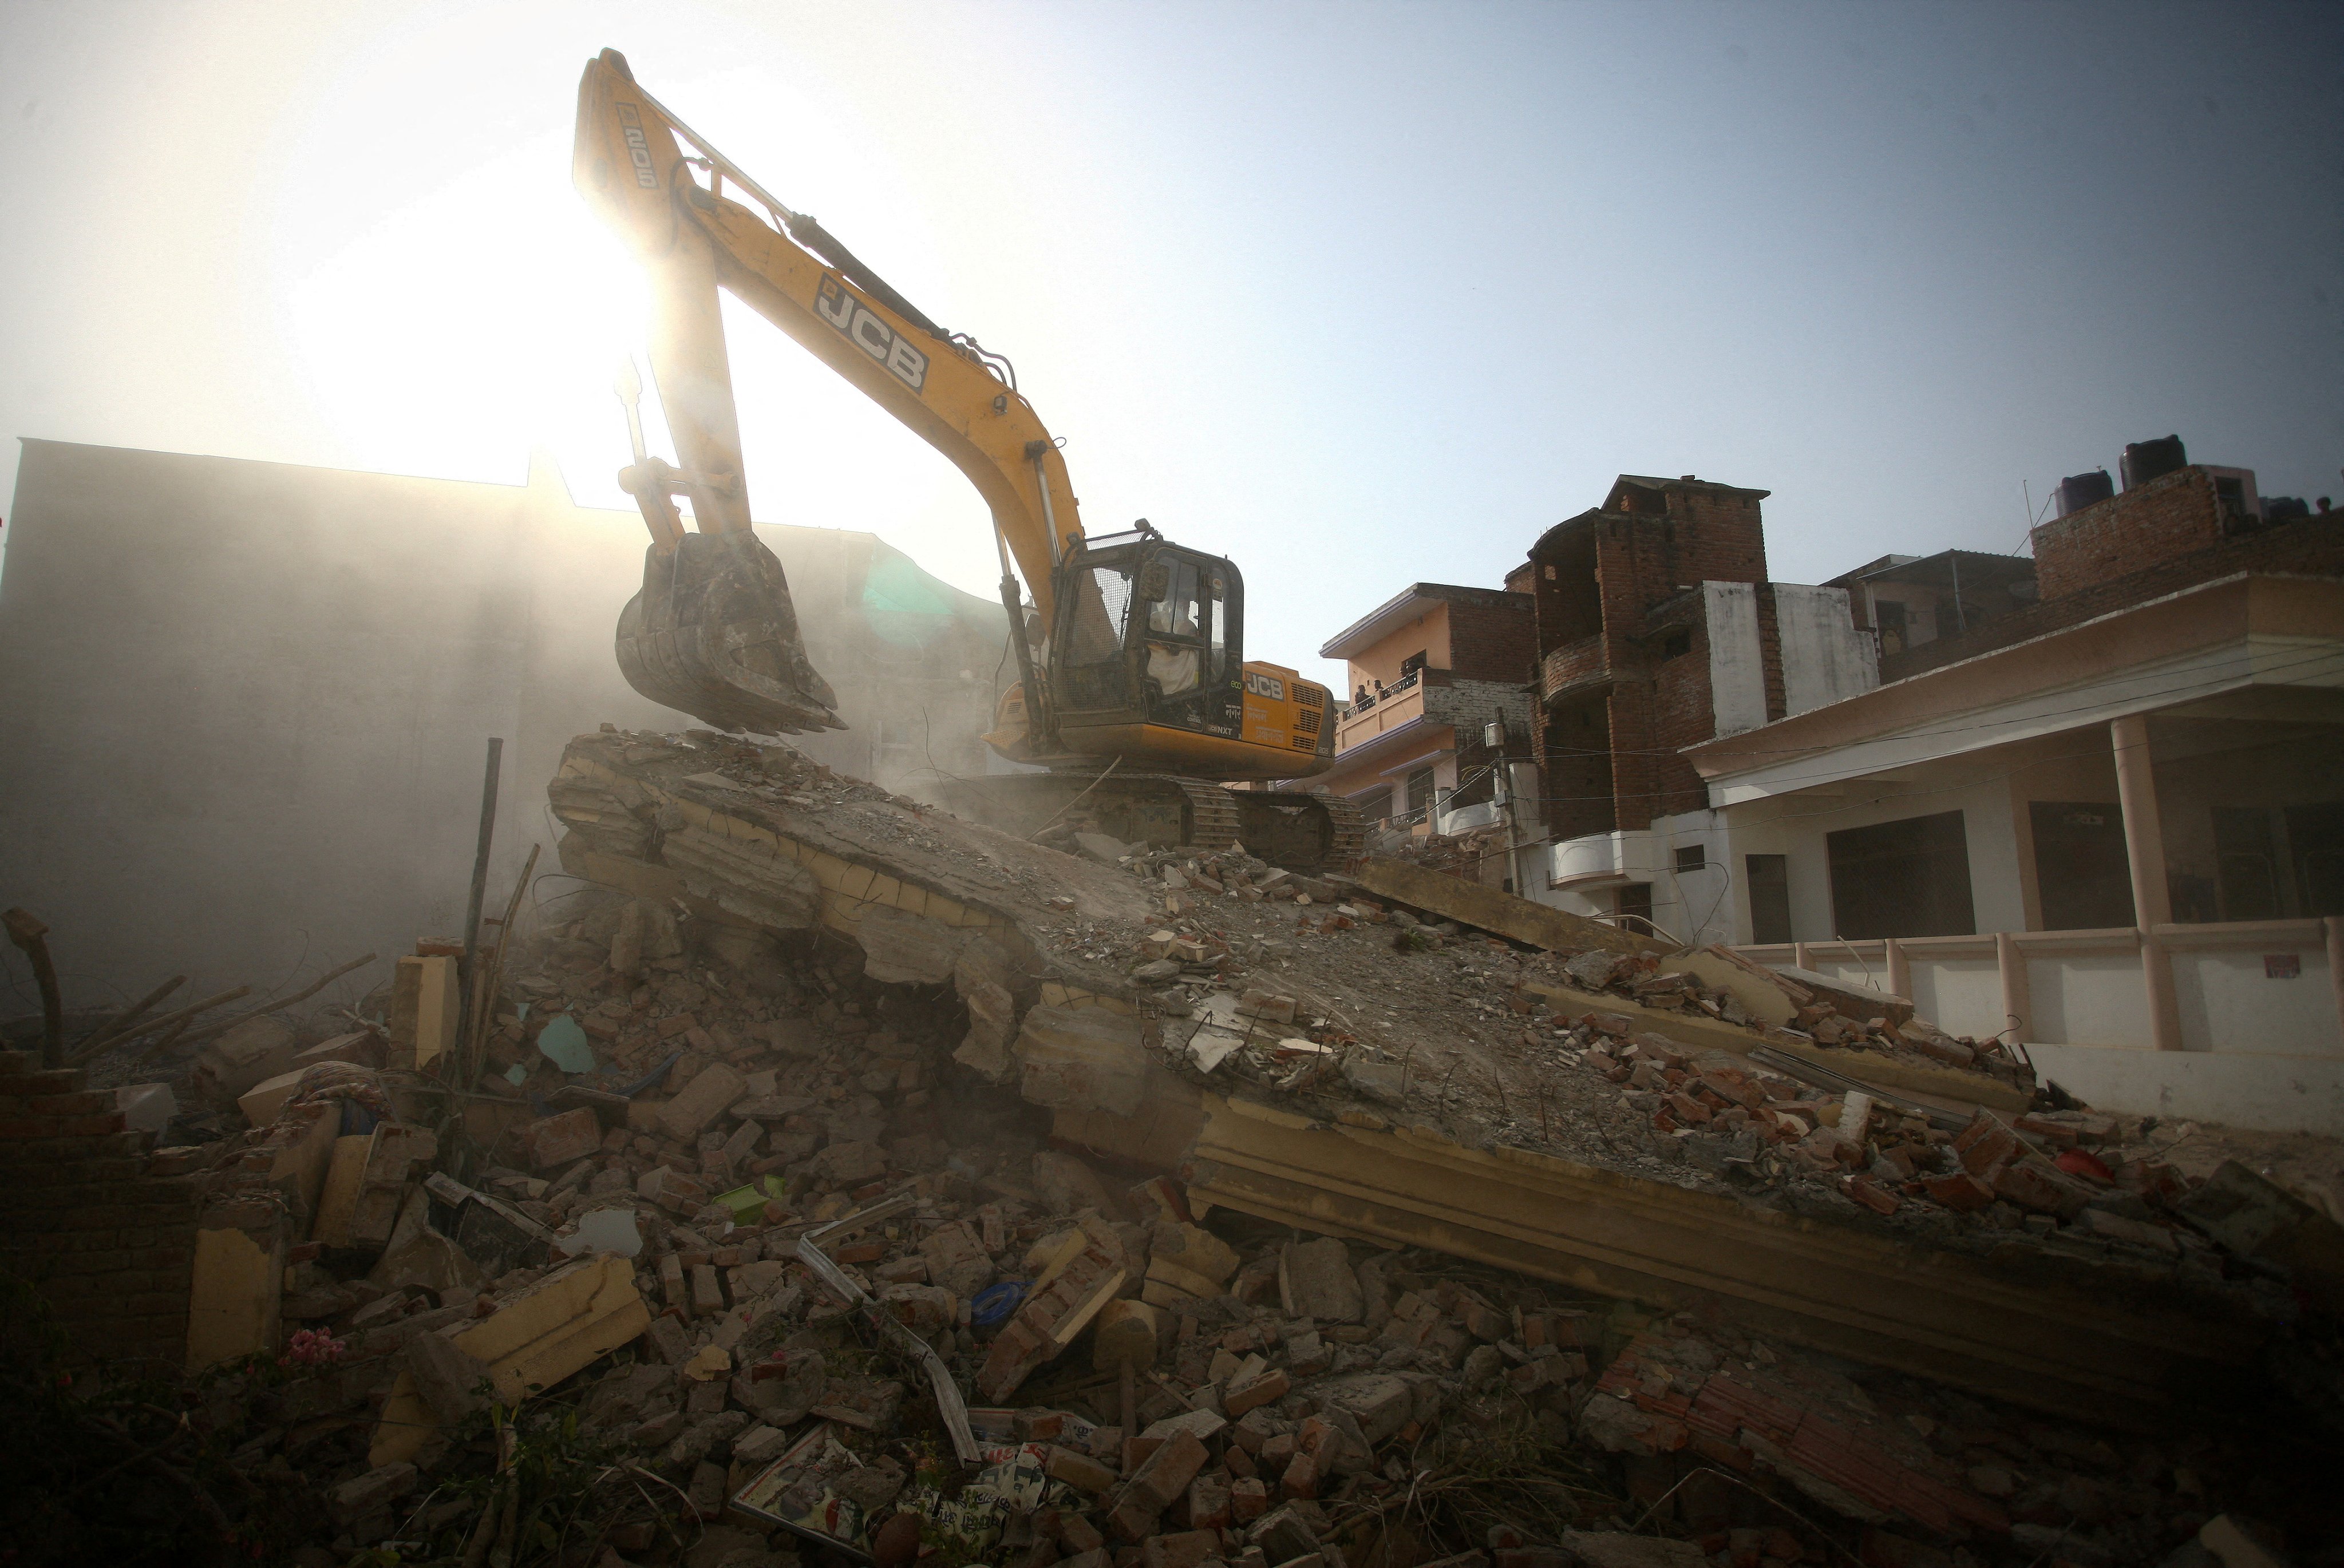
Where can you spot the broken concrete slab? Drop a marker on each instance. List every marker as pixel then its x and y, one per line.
pixel 261 1102
pixel 426 1011
pixel 2033 1329
pixel 905 948
pixel 1943 1084
pixel 446 1376
pixel 2256 1217
pixel 1318 1282
pixel 701 1102
pixel 239 1284
pixel 256 1049
pixel 1083 1059
pixel 1490 909
pixel 535 1340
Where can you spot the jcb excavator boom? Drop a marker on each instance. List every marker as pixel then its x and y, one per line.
pixel 1142 663
pixel 630 165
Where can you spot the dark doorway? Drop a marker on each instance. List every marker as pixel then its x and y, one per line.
pixel 1376 805
pixel 1636 907
pixel 2081 869
pixel 1908 878
pixel 2315 835
pixel 1769 897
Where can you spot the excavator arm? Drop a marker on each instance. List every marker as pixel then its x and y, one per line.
pixel 630 165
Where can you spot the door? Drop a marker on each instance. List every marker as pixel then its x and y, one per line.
pixel 2082 873
pixel 1905 878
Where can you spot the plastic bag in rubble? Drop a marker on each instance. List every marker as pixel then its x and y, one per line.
pixel 1016 1480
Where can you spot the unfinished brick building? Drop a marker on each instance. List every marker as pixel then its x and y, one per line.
pixel 1657 629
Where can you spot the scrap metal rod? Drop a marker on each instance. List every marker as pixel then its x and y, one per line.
pixel 119 1026
pixel 948 1399
pixel 171 1025
pixel 480 861
pixel 27 932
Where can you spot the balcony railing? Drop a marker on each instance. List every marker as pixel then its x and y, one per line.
pixel 1574 665
pixel 1398 703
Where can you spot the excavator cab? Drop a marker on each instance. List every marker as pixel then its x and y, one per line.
pixel 1148 632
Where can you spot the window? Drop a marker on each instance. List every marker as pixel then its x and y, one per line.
pixel 1676 645
pixel 1420 792
pixel 1411 665
pixel 1690 857
pixel 2083 878
pixel 1908 878
pixel 1890 614
pixel 1101 601
pixel 2315 835
pixel 1769 877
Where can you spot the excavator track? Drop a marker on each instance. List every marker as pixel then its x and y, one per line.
pixel 1300 832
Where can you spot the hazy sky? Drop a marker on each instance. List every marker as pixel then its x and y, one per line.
pixel 1358 294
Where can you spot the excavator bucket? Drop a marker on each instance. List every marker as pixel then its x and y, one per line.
pixel 713 634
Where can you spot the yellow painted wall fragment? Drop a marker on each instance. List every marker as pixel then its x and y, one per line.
pixel 533 1341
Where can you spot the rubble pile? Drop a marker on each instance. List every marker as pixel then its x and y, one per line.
pixel 813 1232
pixel 1657 1104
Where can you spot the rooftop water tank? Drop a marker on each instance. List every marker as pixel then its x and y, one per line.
pixel 2146 460
pixel 2077 491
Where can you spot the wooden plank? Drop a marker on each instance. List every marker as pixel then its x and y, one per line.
pixel 1705 1033
pixel 2098 1342
pixel 1489 909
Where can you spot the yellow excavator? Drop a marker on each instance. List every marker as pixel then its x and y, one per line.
pixel 1134 691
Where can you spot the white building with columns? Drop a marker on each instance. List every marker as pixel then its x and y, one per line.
pixel 2119 842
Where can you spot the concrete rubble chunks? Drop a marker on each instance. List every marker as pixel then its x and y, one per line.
pixel 1164 1476
pixel 987 974
pixel 1316 1280
pixel 1196 1250
pixel 236 1294
pixel 1126 1333
pixel 2254 1217
pixel 536 1338
pixel 2036 1184
pixel 1381 1402
pixel 701 1102
pixel 1619 1549
pixel 345 1169
pixel 254 1050
pixel 1169 1284
pixel 430 1260
pixel 261 1102
pixel 425 1009
pixel 447 1377
pixel 1083 1059
pixel 557 1140
pixel 1050 1318
pixel 1860 1003
pixel 393 1151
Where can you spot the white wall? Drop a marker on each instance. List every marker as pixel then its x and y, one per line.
pixel 1824 657
pixel 1798 826
pixel 1737 669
